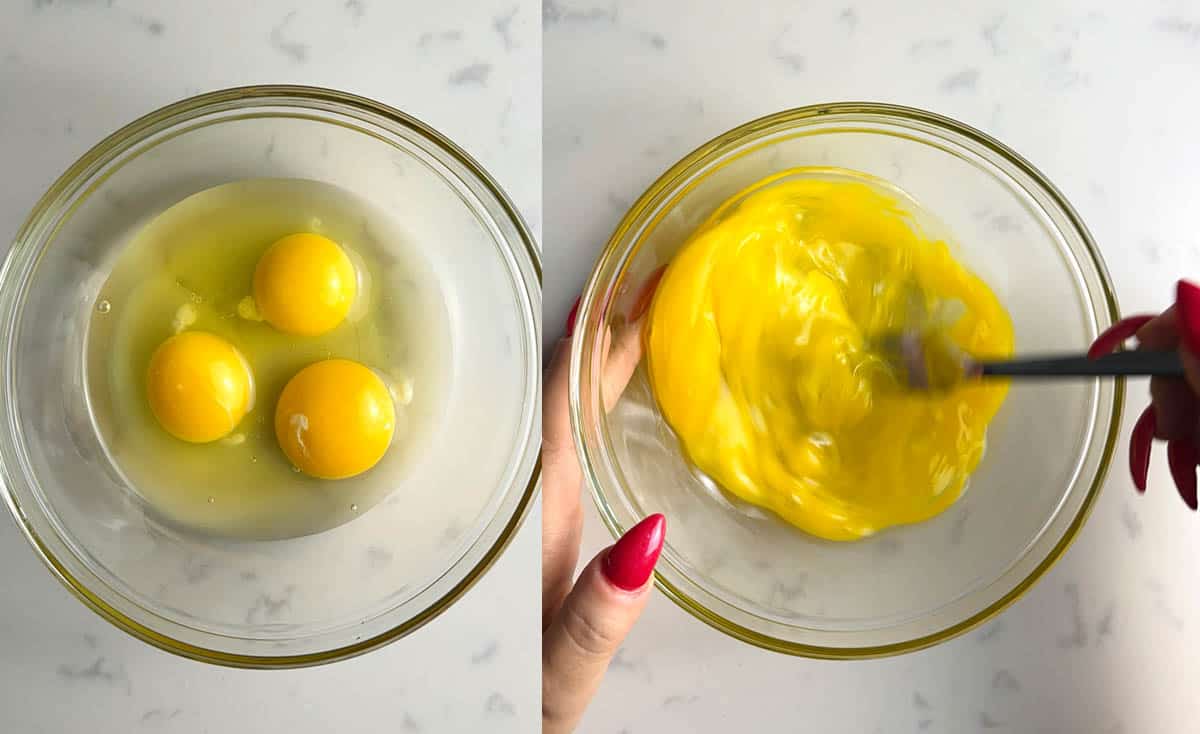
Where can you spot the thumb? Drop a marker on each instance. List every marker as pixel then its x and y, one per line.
pixel 593 622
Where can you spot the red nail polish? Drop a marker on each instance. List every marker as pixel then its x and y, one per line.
pixel 646 294
pixel 1187 300
pixel 1139 447
pixel 1181 457
pixel 1115 335
pixel 630 562
pixel 571 317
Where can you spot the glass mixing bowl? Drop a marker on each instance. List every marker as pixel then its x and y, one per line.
pixel 304 600
pixel 746 572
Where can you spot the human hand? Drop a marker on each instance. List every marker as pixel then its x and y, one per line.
pixel 584 623
pixel 1174 412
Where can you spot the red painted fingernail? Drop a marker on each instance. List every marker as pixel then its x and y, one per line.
pixel 1181 457
pixel 1115 335
pixel 1139 447
pixel 630 562
pixel 1187 299
pixel 646 294
pixel 571 317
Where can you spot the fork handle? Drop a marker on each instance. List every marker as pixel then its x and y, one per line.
pixel 1130 364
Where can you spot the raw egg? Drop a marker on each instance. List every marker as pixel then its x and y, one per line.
pixel 335 419
pixel 199 386
pixel 304 284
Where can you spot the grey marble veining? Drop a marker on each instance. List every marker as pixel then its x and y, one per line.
pixel 1100 96
pixel 71 72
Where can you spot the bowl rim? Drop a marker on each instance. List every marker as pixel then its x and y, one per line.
pixel 126 138
pixel 676 176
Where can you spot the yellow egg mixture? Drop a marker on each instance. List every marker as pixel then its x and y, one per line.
pixel 251 344
pixel 762 355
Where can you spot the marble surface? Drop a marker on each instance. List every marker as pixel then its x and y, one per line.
pixel 71 71
pixel 1101 98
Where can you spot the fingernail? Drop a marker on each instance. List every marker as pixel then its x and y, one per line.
pixel 630 562
pixel 1115 335
pixel 646 294
pixel 571 317
pixel 1187 299
pixel 1181 457
pixel 1139 447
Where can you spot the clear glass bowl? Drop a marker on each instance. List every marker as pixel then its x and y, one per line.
pixel 760 580
pixel 305 600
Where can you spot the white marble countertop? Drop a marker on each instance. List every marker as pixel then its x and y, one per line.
pixel 1103 100
pixel 71 71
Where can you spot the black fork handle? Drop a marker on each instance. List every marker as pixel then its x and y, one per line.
pixel 1128 364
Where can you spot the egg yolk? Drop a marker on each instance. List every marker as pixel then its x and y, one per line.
pixel 304 284
pixel 199 386
pixel 760 355
pixel 335 419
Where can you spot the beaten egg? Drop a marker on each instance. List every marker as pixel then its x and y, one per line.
pixel 762 357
